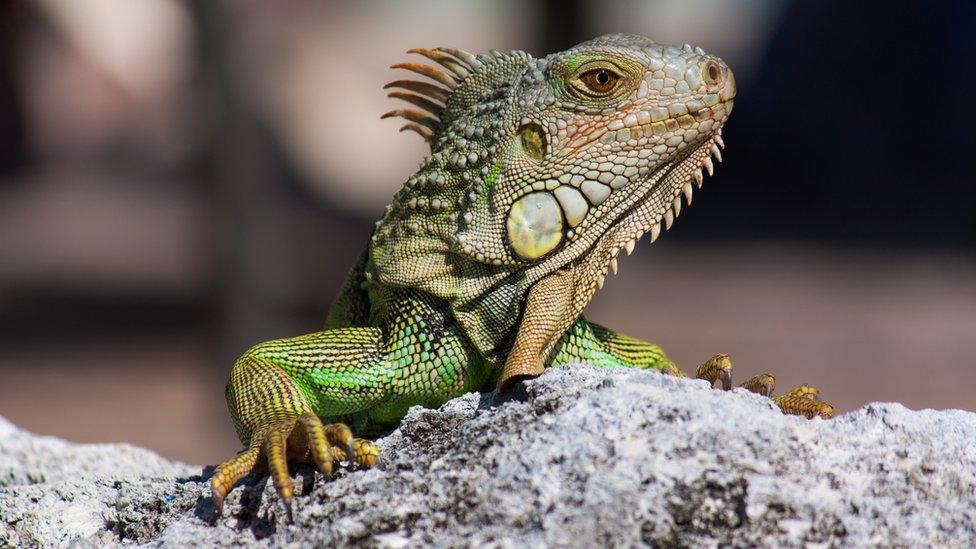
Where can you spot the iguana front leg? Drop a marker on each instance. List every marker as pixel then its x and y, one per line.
pixel 279 389
pixel 593 344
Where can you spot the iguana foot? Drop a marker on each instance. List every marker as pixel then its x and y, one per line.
pixel 305 439
pixel 802 401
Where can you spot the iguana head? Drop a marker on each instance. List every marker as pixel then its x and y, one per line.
pixel 540 164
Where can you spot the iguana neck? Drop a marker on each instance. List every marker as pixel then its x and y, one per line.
pixel 418 242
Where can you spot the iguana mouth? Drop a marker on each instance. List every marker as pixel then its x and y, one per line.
pixel 674 180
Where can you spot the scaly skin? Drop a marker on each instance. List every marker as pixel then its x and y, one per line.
pixel 540 172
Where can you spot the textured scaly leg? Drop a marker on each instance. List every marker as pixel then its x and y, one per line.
pixel 281 391
pixel 593 344
pixel 276 407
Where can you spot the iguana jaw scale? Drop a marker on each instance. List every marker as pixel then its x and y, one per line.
pixel 637 221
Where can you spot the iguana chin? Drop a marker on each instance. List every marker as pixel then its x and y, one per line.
pixel 540 172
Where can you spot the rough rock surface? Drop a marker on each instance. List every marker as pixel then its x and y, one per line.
pixel 579 457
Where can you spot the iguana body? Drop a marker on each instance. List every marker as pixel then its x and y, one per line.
pixel 540 172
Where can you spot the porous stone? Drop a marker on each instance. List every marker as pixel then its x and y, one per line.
pixel 577 457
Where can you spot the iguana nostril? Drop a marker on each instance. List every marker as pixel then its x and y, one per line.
pixel 713 72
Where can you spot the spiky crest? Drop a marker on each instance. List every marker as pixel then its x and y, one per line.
pixel 455 66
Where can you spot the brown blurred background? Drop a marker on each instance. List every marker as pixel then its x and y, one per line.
pixel 180 180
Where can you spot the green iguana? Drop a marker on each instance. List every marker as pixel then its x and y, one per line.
pixel 540 171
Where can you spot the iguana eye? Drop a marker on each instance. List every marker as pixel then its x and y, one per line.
pixel 600 81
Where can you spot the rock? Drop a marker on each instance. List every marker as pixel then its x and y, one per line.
pixel 579 457
pixel 53 492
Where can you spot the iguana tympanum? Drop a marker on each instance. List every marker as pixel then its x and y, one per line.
pixel 540 171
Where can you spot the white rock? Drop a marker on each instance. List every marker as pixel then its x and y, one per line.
pixel 581 457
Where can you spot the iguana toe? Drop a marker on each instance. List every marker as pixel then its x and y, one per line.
pixel 801 401
pixel 762 384
pixel 366 453
pixel 804 401
pixel 227 474
pixel 717 368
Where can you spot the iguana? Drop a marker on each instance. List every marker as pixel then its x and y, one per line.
pixel 540 171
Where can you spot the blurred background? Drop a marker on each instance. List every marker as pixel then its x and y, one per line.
pixel 180 180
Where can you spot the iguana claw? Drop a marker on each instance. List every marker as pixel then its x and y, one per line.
pixel 305 439
pixel 726 381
